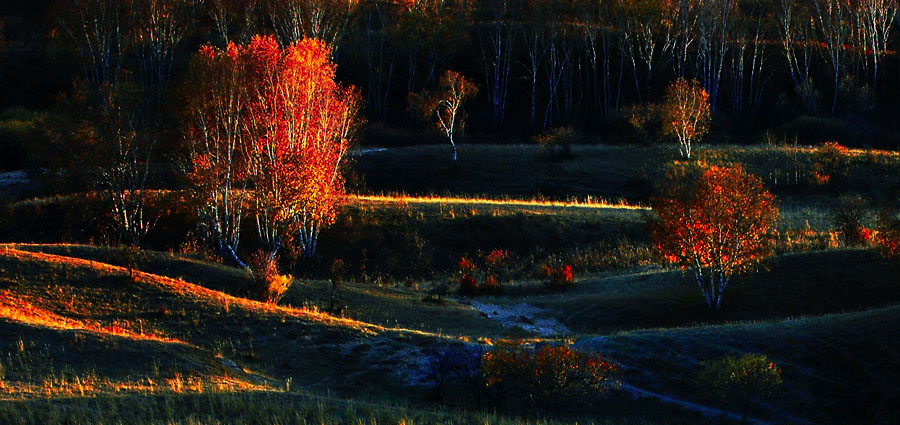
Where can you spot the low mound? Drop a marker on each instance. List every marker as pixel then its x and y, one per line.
pixel 838 368
pixel 381 306
pixel 793 285
pixel 209 338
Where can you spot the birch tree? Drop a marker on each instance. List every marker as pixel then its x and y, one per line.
pixel 446 105
pixel 716 222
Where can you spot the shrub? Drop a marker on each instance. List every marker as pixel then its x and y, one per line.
pixel 456 370
pixel 493 264
pixel 889 233
pixel 848 219
pixel 267 284
pixel 831 164
pixel 645 123
pixel 338 270
pixel 550 378
pixel 468 286
pixel 558 142
pixel 558 276
pixel 740 380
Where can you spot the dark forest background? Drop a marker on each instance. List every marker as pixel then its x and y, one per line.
pixel 777 71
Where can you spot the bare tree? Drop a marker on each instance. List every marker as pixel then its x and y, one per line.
pixel 446 104
pixel 714 43
pixel 797 42
pixel 833 27
pixel 326 20
pixel 496 35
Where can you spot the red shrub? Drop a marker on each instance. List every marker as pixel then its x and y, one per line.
pixel 549 377
pixel 559 276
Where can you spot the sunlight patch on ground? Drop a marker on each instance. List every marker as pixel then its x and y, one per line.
pixel 584 203
pixel 15 308
pixel 92 385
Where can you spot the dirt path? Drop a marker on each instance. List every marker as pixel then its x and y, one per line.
pixel 523 316
pixel 704 410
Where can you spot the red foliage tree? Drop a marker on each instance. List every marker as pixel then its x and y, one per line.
pixel 289 125
pixel 301 122
pixel 216 103
pixel 717 221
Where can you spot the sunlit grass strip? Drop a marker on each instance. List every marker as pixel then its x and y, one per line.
pixel 202 294
pixel 578 203
pixel 92 385
pixel 181 287
pixel 19 310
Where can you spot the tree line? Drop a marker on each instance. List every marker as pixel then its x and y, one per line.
pixel 539 64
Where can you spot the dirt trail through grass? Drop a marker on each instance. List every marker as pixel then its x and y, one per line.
pixel 523 316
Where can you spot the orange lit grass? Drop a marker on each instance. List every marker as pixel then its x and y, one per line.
pixel 199 293
pixel 578 203
pixel 16 308
pixel 91 385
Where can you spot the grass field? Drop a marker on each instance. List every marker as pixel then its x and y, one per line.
pixel 94 334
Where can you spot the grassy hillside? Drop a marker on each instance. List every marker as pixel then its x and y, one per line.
pixel 610 172
pixel 838 369
pixel 788 286
pixel 77 329
pixel 94 334
pixel 257 343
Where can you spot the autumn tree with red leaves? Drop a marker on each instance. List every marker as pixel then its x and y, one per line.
pixel 686 113
pixel 216 104
pixel 718 222
pixel 446 104
pixel 279 125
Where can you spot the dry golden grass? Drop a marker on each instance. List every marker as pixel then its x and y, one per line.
pixel 434 199
pixel 19 309
pixel 186 289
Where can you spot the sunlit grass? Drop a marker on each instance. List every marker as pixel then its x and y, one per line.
pixel 183 288
pixel 434 199
pixel 16 308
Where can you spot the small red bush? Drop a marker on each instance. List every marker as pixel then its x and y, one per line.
pixel 549 377
pixel 492 265
pixel 832 164
pixel 559 276
pixel 888 236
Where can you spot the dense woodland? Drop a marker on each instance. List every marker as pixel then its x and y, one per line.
pixel 815 70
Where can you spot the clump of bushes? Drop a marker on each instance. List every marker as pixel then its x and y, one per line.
pixel 549 378
pixel 558 276
pixel 557 143
pixel 740 380
pixel 848 219
pixel 831 164
pixel 889 233
pixel 484 278
pixel 267 284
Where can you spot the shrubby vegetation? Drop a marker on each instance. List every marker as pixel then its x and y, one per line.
pixel 548 378
pixel 741 380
